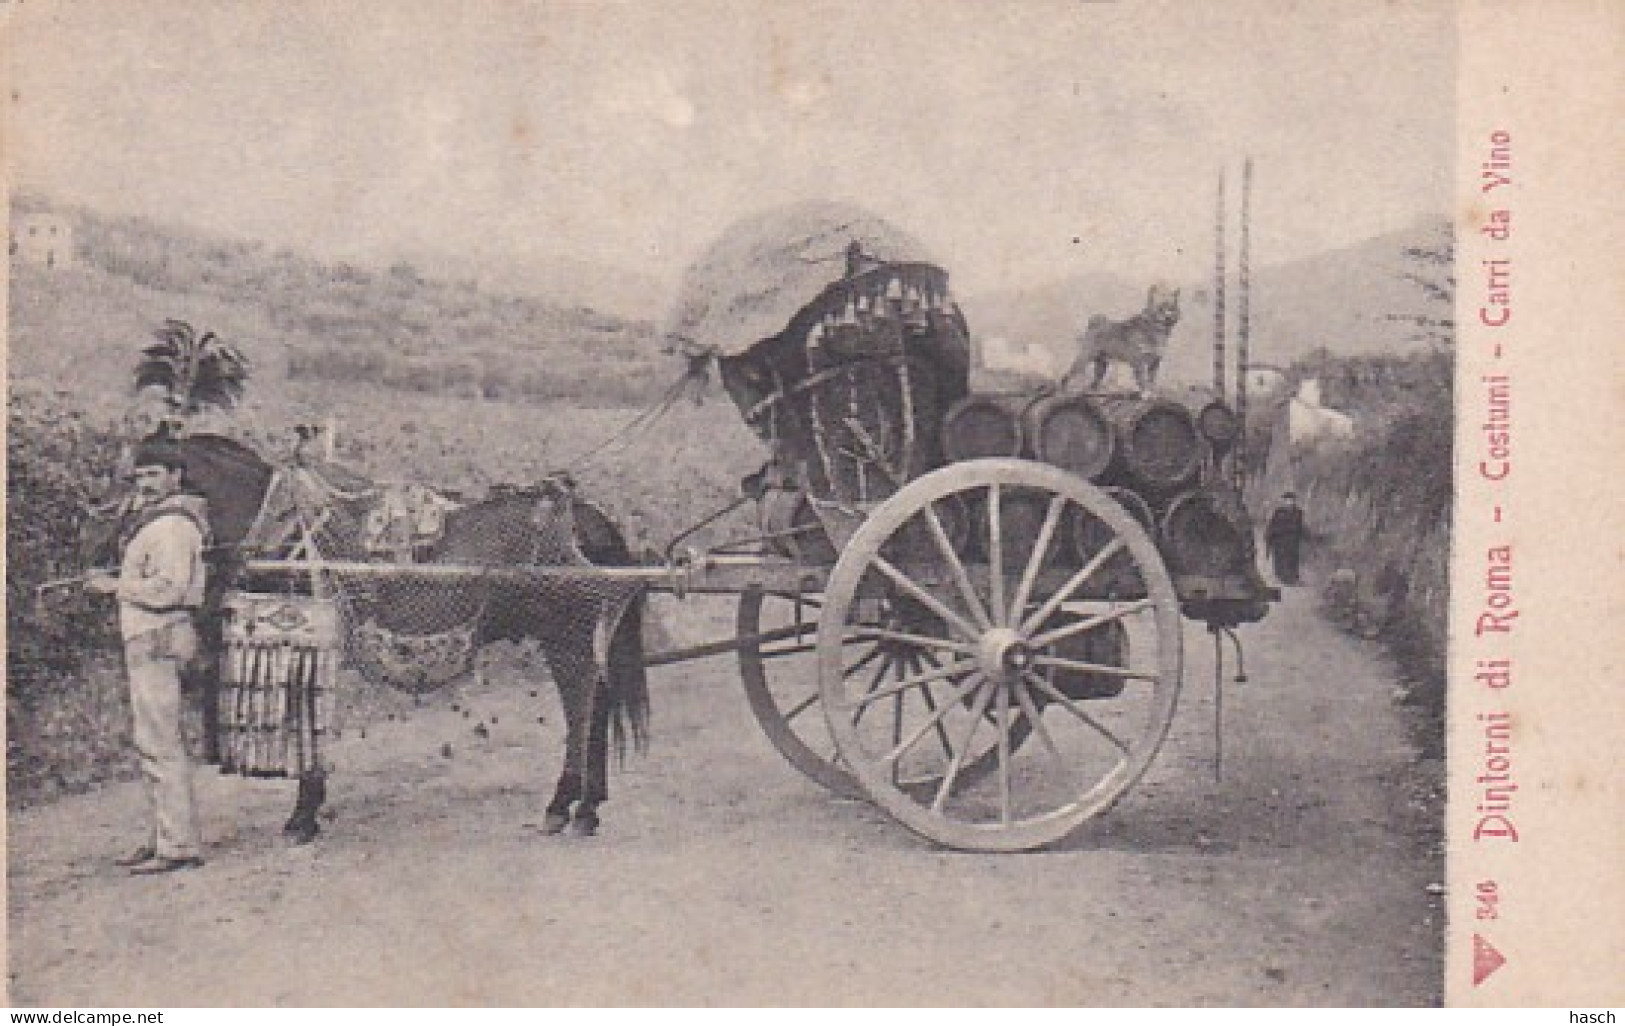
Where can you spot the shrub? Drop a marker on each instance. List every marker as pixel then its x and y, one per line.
pixel 1382 504
pixel 64 699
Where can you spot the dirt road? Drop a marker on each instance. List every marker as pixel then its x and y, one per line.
pixel 723 877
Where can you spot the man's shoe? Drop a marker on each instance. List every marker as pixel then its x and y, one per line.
pixel 135 858
pixel 166 865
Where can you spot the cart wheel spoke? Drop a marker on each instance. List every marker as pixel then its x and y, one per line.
pixel 1070 588
pixel 905 683
pixel 1035 562
pixel 861 706
pixel 1059 663
pixel 1081 626
pixel 941 731
pixel 1030 709
pixel 1072 707
pixel 966 629
pixel 995 555
pixel 902 748
pixel 956 566
pixel 979 706
pixel 976 768
pixel 920 641
pixel 874 653
pixel 897 717
pixel 1003 706
pixel 800 707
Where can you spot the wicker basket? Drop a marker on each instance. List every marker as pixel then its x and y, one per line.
pixel 277 683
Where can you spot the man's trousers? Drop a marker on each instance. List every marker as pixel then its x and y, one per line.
pixel 154 661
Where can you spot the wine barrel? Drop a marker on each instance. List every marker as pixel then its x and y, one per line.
pixel 982 425
pixel 1157 440
pixel 1067 431
pixel 1219 424
pixel 1088 535
pixel 1206 534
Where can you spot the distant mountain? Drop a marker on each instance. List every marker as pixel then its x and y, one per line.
pixel 1046 316
pixel 1342 300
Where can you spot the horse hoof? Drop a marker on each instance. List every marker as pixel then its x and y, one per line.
pixel 584 827
pixel 301 833
pixel 555 822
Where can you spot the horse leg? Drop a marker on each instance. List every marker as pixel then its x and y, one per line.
pixel 302 827
pixel 568 790
pixel 564 795
pixel 595 780
pixel 572 677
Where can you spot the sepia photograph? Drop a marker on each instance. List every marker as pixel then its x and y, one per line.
pixel 739 504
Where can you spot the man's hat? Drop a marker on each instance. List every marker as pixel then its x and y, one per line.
pixel 1289 495
pixel 159 454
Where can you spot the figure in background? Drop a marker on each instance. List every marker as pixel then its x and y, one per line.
pixel 1283 538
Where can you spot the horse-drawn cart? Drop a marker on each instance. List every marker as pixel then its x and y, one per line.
pixel 968 608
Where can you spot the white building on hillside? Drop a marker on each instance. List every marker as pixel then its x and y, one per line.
pixel 42 239
pixel 1265 379
pixel 1310 422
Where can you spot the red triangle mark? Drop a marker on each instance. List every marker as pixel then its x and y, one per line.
pixel 1485 959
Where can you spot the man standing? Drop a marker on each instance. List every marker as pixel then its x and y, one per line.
pixel 1283 538
pixel 159 588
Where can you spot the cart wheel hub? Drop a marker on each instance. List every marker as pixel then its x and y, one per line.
pixel 1004 654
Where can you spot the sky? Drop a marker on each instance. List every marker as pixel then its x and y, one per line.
pixel 1021 140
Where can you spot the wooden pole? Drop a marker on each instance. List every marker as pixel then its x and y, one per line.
pixel 1218 295
pixel 1244 315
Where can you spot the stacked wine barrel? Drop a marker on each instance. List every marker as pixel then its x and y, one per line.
pixel 1151 446
pixel 1147 453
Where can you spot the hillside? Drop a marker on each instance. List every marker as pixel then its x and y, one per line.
pixel 1339 300
pixel 566 281
pixel 523 330
pixel 296 317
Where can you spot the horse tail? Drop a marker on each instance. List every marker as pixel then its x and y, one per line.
pixel 628 681
pixel 626 685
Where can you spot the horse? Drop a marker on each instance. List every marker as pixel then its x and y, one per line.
pixel 1139 341
pixel 590 632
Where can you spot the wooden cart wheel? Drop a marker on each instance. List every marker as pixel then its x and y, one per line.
pixel 1017 626
pixel 780 674
pixel 778 664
